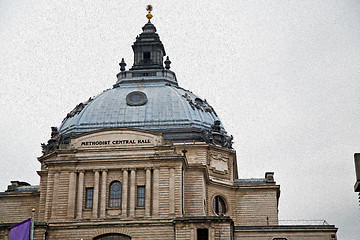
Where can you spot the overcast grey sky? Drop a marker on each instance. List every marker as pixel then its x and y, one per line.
pixel 284 77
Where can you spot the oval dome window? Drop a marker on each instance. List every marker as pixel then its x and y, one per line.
pixel 136 98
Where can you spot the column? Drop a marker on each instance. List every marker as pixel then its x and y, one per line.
pixel 47 200
pixel 96 193
pixel 132 192
pixel 172 192
pixel 124 193
pixel 156 193
pixel 55 194
pixel 147 192
pixel 103 193
pixel 193 234
pixel 212 233
pixel 80 194
pixel 71 195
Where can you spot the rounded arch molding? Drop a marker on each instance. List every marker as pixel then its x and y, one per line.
pixel 120 232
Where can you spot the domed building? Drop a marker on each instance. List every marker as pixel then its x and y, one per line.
pixel 146 97
pixel 147 159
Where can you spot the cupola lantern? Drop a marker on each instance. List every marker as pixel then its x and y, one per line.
pixel 148 49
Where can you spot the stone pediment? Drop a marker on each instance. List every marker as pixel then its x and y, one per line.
pixel 116 138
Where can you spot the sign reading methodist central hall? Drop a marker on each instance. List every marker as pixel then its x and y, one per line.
pixel 116 142
pixel 119 138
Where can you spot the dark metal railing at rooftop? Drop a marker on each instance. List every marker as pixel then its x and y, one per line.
pixel 303 222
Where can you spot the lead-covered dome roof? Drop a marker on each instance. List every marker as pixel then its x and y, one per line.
pixel 148 97
pixel 177 113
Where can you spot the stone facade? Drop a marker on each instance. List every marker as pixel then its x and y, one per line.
pixel 179 192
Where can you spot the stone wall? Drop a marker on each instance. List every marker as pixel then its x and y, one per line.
pixel 314 232
pixel 137 231
pixel 245 205
pixel 255 206
pixel 194 192
pixel 218 228
pixel 16 207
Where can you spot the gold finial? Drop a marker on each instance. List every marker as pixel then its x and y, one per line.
pixel 149 9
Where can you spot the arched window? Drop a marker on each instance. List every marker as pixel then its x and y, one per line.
pixel 113 236
pixel 115 194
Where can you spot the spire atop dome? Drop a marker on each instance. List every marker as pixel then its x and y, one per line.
pixel 149 9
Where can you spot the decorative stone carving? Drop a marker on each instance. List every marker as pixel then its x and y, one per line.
pixel 167 63
pixel 77 109
pixel 216 126
pixel 199 104
pixel 209 108
pixel 122 65
pixel 215 136
pixel 218 162
pixel 188 98
pixel 53 142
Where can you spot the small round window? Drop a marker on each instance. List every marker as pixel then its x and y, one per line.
pixel 219 206
pixel 136 98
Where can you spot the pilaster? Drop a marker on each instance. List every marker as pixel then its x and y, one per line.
pixel 172 192
pixel 147 192
pixel 103 193
pixel 124 193
pixel 132 192
pixel 80 194
pixel 156 193
pixel 96 193
pixel 55 195
pixel 71 195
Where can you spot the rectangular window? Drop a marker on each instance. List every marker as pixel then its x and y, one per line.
pixel 146 55
pixel 89 197
pixel 202 234
pixel 141 196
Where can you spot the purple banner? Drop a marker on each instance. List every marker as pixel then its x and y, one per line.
pixel 21 231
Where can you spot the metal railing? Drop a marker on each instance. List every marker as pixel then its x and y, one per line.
pixel 271 222
pixel 303 222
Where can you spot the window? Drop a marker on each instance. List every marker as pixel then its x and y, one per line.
pixel 115 194
pixel 113 236
pixel 141 196
pixel 89 197
pixel 146 56
pixel 202 234
pixel 219 206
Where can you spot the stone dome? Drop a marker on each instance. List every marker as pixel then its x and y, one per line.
pixel 147 97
